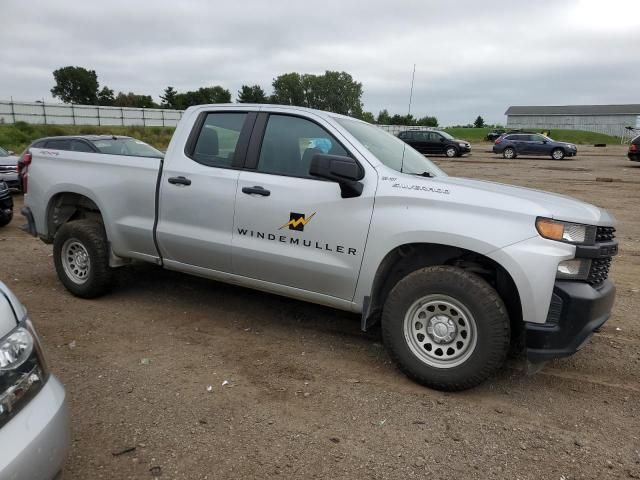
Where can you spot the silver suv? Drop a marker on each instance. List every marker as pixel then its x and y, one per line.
pixel 34 420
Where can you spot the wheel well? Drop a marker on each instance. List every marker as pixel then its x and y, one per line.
pixel 408 258
pixel 67 206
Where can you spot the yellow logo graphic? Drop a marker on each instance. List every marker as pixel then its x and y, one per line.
pixel 297 221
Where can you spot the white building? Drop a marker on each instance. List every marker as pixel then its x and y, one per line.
pixel 609 119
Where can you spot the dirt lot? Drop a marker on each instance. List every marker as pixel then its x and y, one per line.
pixel 309 395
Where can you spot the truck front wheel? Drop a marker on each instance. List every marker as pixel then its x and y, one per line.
pixel 446 328
pixel 81 257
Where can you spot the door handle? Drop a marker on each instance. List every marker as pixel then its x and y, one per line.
pixel 257 190
pixel 179 181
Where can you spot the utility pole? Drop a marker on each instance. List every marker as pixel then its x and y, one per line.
pixel 413 77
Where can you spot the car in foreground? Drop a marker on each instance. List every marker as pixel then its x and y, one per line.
pixel 329 209
pixel 9 169
pixel 634 150
pixel 435 142
pixel 6 204
pixel 34 418
pixel 512 145
pixel 105 144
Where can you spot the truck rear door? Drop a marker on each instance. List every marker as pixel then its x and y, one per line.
pixel 197 192
pixel 291 228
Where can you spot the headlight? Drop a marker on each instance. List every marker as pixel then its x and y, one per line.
pixel 575 269
pixel 568 232
pixel 15 349
pixel 23 371
pixel 462 144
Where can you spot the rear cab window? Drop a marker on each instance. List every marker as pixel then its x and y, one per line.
pixel 218 139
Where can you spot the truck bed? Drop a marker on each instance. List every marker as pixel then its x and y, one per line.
pixel 126 183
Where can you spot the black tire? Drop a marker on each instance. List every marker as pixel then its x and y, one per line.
pixel 557 154
pixel 5 219
pixel 488 315
pixel 509 153
pixel 91 236
pixel 451 152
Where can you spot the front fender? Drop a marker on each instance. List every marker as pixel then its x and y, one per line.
pixel 533 264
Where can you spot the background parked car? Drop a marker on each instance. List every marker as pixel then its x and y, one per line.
pixel 493 136
pixel 431 142
pixel 512 145
pixel 34 419
pixel 6 204
pixel 634 150
pixel 107 144
pixel 9 169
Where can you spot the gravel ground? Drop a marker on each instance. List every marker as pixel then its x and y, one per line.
pixel 309 395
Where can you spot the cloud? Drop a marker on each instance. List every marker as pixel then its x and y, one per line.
pixel 470 58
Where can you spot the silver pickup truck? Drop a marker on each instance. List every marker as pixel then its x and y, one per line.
pixel 332 210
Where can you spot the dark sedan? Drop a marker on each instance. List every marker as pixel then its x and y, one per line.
pixel 512 145
pixel 634 150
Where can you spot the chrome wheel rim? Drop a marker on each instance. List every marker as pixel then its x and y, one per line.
pixel 508 153
pixel 75 261
pixel 440 331
pixel 557 154
pixel 451 152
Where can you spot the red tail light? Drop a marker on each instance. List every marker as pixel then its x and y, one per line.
pixel 633 148
pixel 23 170
pixel 498 141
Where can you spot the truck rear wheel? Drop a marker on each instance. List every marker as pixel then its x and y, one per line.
pixel 81 257
pixel 446 328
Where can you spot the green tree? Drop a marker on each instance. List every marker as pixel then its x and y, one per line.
pixel 479 122
pixel 203 95
pixel 251 94
pixel 332 91
pixel 169 98
pixel 428 121
pixel 76 85
pixel 367 117
pixel 287 90
pixel 106 97
pixel 383 118
pixel 403 120
pixel 133 100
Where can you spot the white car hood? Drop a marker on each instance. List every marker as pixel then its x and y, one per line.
pixel 551 205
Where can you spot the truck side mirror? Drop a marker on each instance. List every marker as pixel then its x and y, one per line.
pixel 343 170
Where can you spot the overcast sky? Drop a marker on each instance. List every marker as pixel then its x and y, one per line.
pixel 471 57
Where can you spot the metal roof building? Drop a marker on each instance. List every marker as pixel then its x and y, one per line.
pixel 609 119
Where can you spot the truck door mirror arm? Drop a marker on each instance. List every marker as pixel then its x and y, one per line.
pixel 345 171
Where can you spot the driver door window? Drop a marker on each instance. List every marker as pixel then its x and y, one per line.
pixel 289 144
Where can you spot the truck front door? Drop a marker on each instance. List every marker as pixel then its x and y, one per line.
pixel 293 229
pixel 198 190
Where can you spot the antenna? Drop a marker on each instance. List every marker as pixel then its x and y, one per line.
pixel 413 77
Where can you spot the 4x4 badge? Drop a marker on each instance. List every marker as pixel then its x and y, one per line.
pixel 297 221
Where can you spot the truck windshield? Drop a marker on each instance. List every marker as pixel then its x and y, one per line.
pixel 126 146
pixel 3 152
pixel 391 151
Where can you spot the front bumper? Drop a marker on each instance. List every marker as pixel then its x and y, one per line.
pixel 577 309
pixel 35 442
